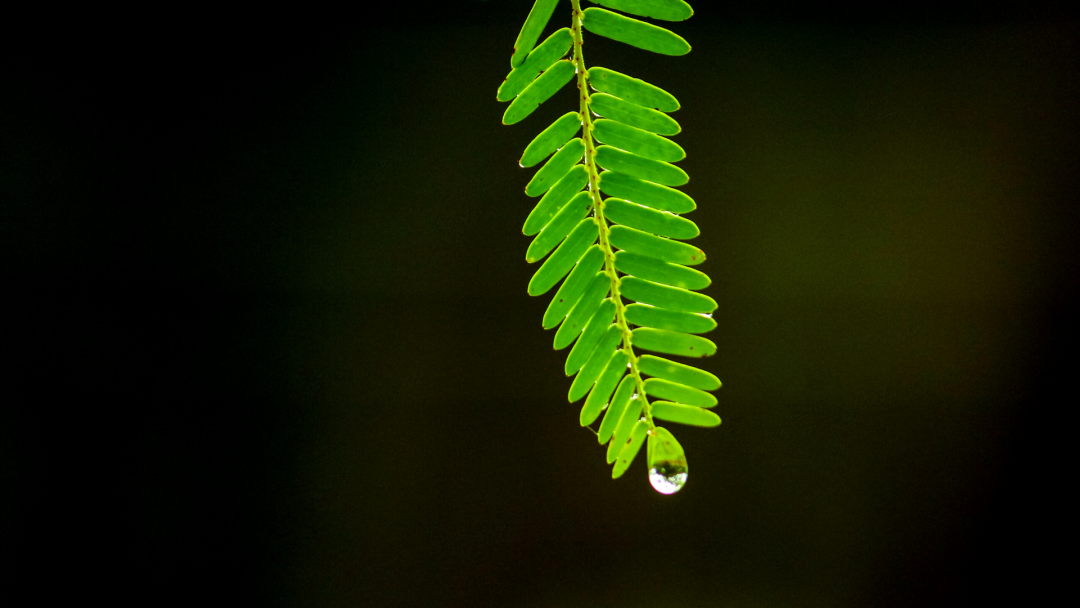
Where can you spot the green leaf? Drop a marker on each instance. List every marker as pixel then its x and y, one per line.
pixel 549 51
pixel 564 258
pixel 666 461
pixel 539 91
pixel 633 115
pixel 672 342
pixel 630 450
pixel 583 311
pixel 671 298
pixel 636 241
pixel 531 30
pixel 637 141
pixel 605 385
pixel 631 89
pixel 551 139
pixel 623 428
pixel 684 414
pixel 660 318
pixel 615 410
pixel 559 226
pixel 660 223
pixel 598 360
pixel 633 32
pixel 677 372
pixel 590 337
pixel 555 199
pixel 680 393
pixel 658 271
pixel 667 10
pixel 645 193
pixel 614 159
pixel 573 287
pixel 556 167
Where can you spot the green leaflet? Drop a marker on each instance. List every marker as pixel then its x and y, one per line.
pixel 671 298
pixel 677 372
pixel 614 159
pixel 556 167
pixel 661 318
pixel 668 10
pixel 539 91
pixel 645 193
pixel 615 410
pixel 633 115
pixel 590 337
pixel 660 223
pixel 573 287
pixel 530 31
pixel 684 414
pixel 672 342
pixel 555 199
pixel 671 391
pixel 549 51
pixel 633 32
pixel 659 271
pixel 630 450
pixel 559 226
pixel 598 360
pixel 551 139
pixel 630 416
pixel 633 90
pixel 564 258
pixel 584 310
pixel 667 250
pixel 637 141
pixel 666 461
pixel 605 385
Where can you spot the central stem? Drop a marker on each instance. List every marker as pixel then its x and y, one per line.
pixel 598 213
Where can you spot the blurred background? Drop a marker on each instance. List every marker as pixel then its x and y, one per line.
pixel 272 265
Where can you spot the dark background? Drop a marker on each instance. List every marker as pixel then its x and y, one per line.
pixel 273 340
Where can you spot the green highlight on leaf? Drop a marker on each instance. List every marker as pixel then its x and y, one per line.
pixel 584 310
pixel 642 143
pixel 614 159
pixel 629 418
pixel 630 450
pixel 555 199
pixel 603 388
pixel 660 223
pixel 658 271
pixel 671 298
pixel 633 32
pixel 598 360
pixel 634 90
pixel 621 185
pixel 564 258
pixel 672 342
pixel 559 226
pixel 684 414
pixel 531 30
pixel 572 288
pixel 673 252
pixel 677 372
pixel 539 91
pixel 550 50
pixel 679 393
pixel 615 410
pixel 633 115
pixel 590 337
pixel 660 318
pixel 667 10
pixel 556 167
pixel 551 139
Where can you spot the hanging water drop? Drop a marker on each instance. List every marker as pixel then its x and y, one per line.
pixel 668 477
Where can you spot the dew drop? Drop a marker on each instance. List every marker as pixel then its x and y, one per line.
pixel 668 477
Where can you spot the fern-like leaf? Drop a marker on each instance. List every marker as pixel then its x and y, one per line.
pixel 628 246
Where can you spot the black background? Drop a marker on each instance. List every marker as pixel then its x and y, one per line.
pixel 273 341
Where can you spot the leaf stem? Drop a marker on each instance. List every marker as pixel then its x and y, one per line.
pixel 598 213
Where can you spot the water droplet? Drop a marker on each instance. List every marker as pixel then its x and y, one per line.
pixel 668 477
